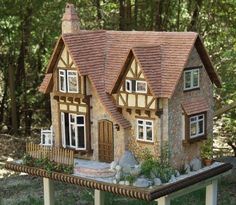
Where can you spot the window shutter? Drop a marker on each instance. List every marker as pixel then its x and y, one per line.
pixel 133 85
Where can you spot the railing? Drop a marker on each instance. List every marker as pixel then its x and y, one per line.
pixel 56 154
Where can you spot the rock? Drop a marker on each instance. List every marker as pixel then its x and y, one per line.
pixel 172 179
pixel 118 168
pixel 136 170
pixel 113 165
pixel 128 159
pixel 126 169
pixel 196 164
pixel 127 183
pixel 118 175
pixel 157 181
pixel 141 182
pixel 187 168
pixel 122 182
pixel 177 174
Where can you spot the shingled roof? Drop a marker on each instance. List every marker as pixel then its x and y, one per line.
pixel 162 55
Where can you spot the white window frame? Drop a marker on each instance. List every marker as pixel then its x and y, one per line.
pixel 136 86
pixel 130 86
pixel 144 125
pixel 191 78
pixel 65 80
pixel 197 122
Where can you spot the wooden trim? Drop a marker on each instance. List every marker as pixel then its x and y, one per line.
pixel 88 126
pixel 128 191
pixel 144 117
pixel 137 111
pixel 129 110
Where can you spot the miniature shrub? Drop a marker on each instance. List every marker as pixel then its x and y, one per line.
pixel 49 166
pixel 28 160
pixel 147 167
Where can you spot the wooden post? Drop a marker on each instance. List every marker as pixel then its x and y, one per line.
pixel 48 189
pixel 98 197
pixel 211 193
pixel 165 200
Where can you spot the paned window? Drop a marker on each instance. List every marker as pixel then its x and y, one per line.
pixel 145 130
pixel 68 81
pixel 191 79
pixel 197 126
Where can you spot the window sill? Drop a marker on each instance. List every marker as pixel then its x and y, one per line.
pixel 145 142
pixel 193 89
pixel 197 139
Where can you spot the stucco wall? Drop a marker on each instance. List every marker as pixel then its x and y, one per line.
pixel 179 152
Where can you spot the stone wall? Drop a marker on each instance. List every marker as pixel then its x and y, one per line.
pixel 98 112
pixel 184 152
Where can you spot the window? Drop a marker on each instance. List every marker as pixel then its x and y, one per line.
pixel 191 79
pixel 128 86
pixel 136 86
pixel 145 130
pixel 141 87
pixel 73 131
pixel 197 126
pixel 68 81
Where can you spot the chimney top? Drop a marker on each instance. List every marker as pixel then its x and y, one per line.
pixel 70 20
pixel 70 13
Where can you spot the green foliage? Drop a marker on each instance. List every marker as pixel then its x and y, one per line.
pixel 48 165
pixel 207 149
pixel 152 168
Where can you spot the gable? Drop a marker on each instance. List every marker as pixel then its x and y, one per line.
pixel 65 60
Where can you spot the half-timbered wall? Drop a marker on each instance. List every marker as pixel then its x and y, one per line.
pixel 135 98
pixel 67 102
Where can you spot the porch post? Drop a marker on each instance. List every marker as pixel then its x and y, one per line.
pixel 98 197
pixel 48 189
pixel 164 200
pixel 211 193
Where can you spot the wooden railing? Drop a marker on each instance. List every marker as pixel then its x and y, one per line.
pixel 56 154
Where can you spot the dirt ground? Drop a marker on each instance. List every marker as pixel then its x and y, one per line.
pixel 21 189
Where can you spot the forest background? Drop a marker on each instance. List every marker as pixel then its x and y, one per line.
pixel 29 29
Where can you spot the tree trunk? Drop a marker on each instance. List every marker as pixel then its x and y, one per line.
pixel 122 15
pixel 158 26
pixel 14 124
pixel 193 23
pixel 135 14
pixel 128 16
pixel 2 105
pixel 99 14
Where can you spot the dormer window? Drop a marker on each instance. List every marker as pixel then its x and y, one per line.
pixel 137 86
pixel 191 79
pixel 68 81
pixel 128 86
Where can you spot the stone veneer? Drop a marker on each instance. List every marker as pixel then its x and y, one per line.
pixel 180 152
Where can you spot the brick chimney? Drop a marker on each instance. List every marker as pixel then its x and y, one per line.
pixel 70 20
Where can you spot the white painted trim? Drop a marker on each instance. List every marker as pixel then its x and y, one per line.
pixel 63 134
pixel 99 197
pixel 197 122
pixel 144 125
pixel 211 193
pixel 191 79
pixel 67 80
pixel 130 83
pixel 64 76
pixel 140 81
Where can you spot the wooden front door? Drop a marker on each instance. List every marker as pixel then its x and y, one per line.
pixel 105 141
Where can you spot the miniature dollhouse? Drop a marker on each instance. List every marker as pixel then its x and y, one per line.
pixel 110 90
